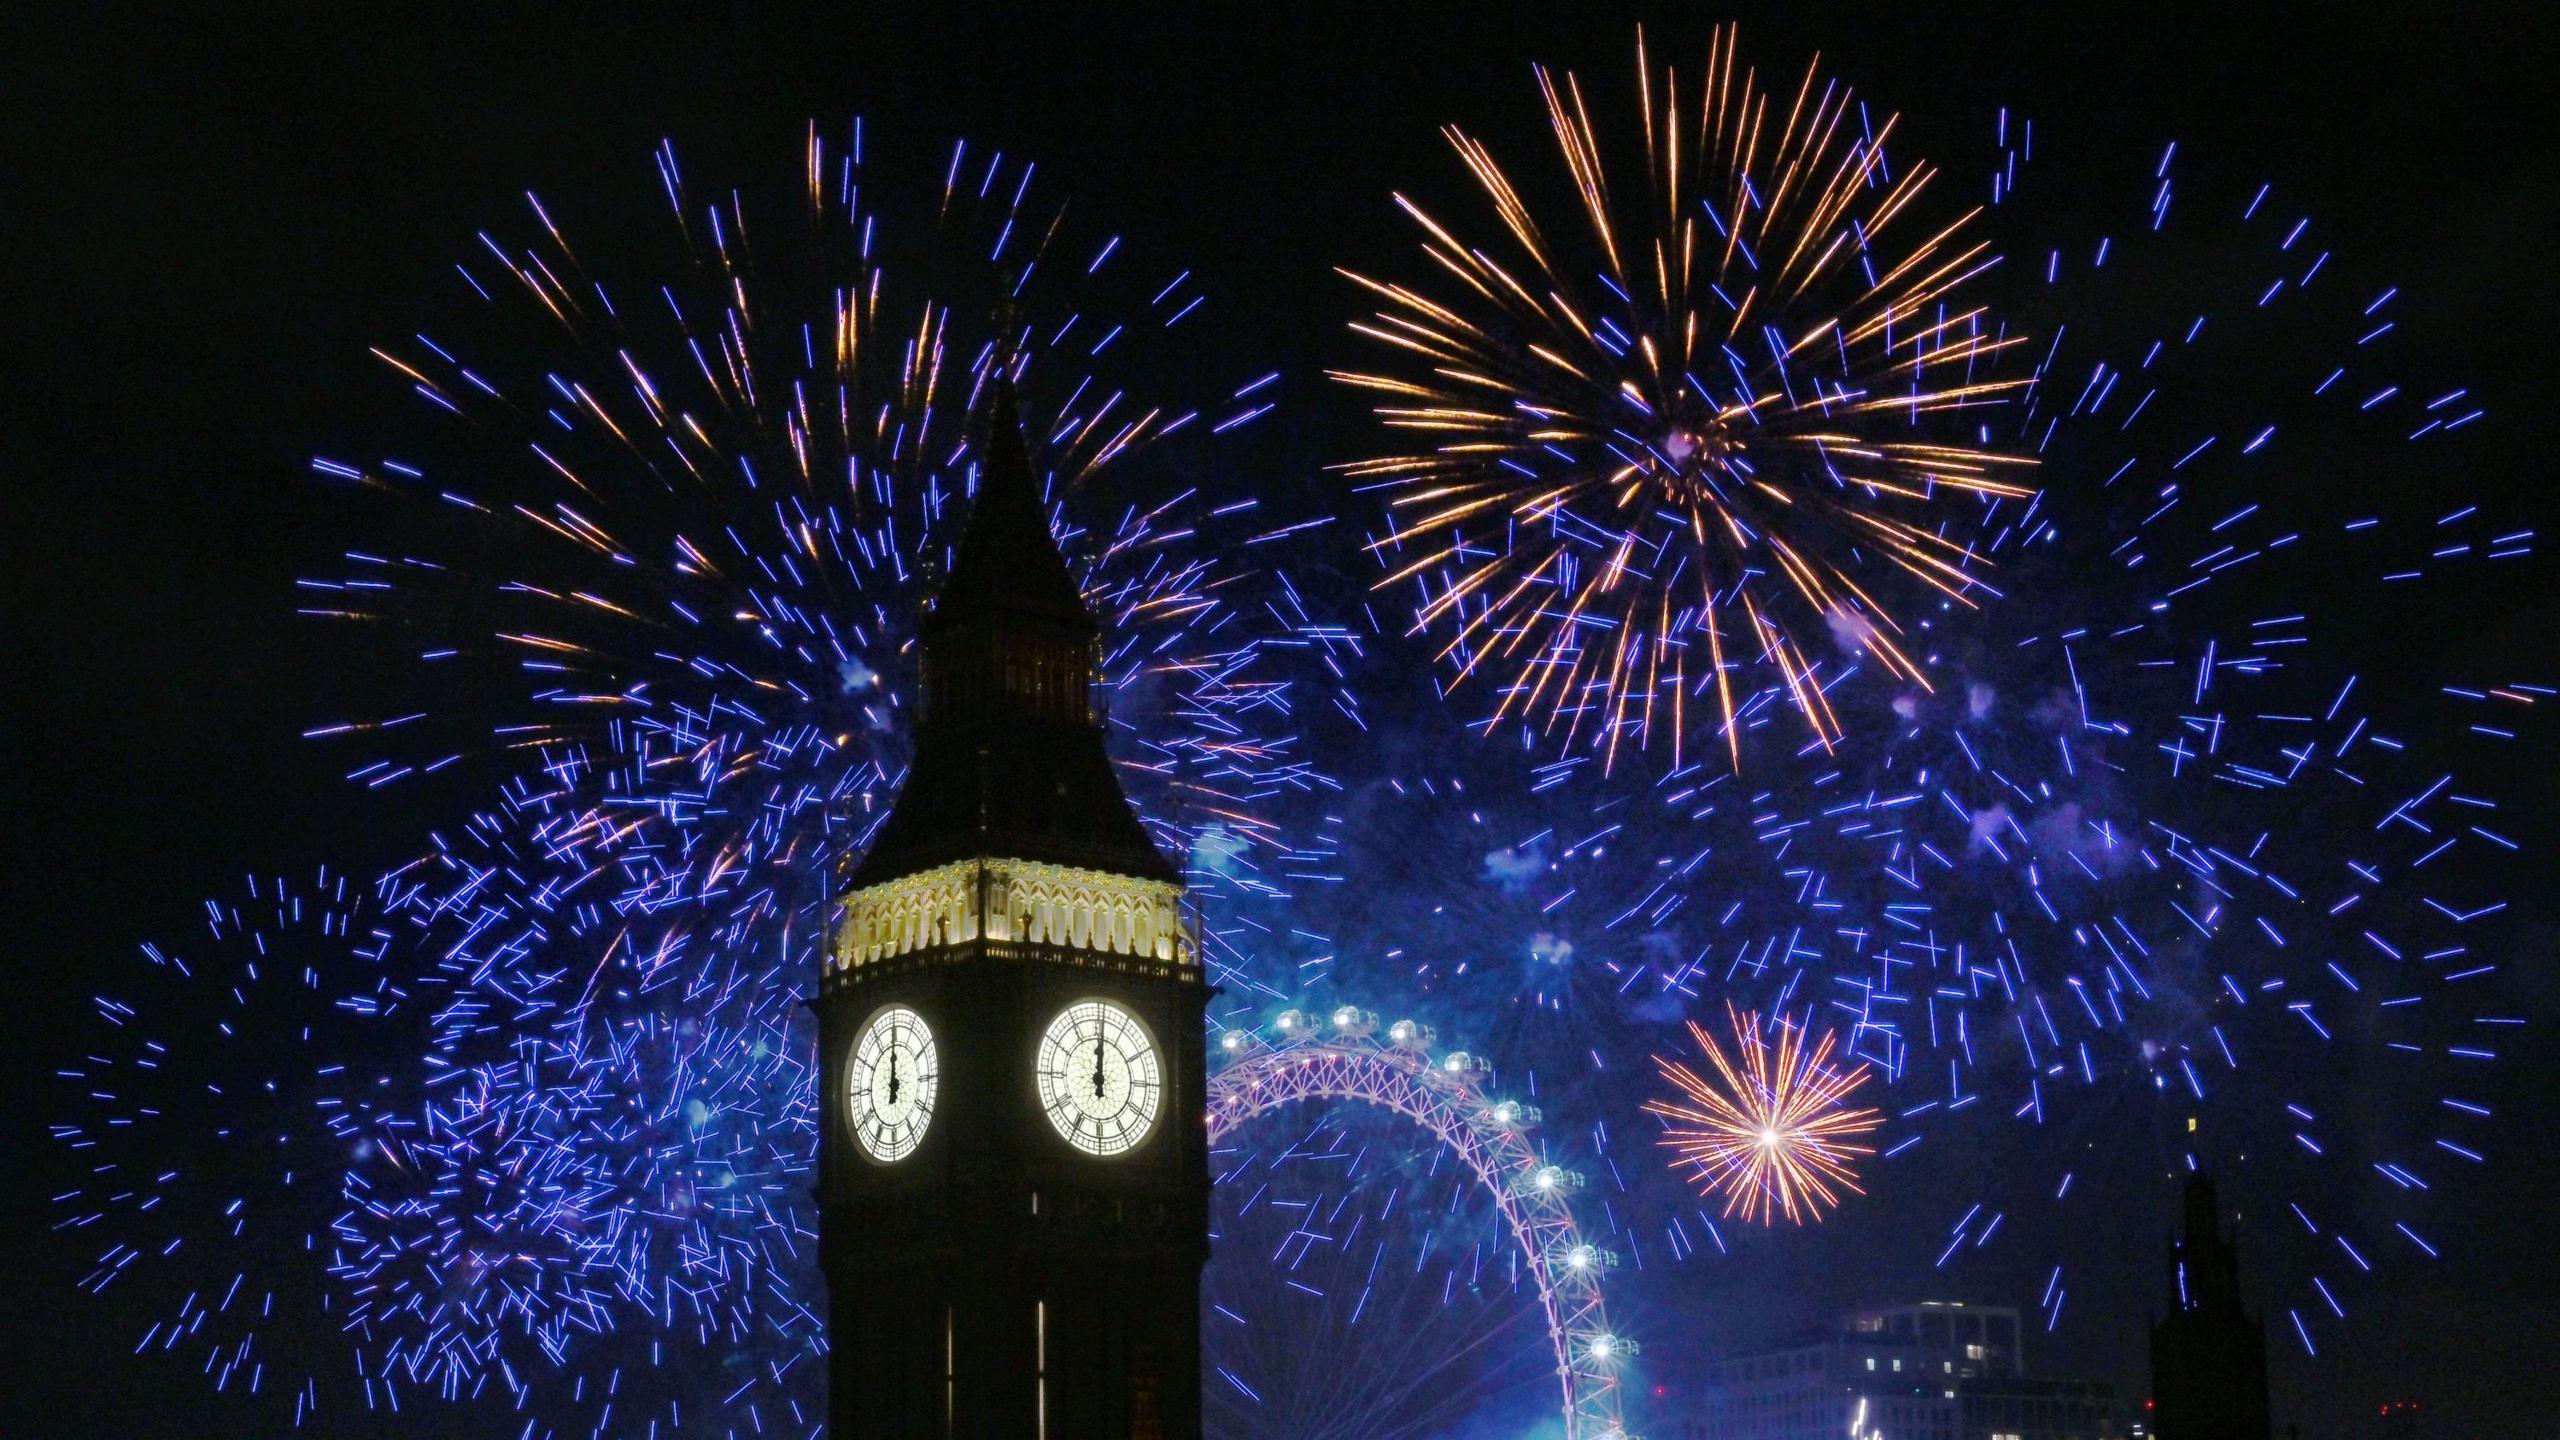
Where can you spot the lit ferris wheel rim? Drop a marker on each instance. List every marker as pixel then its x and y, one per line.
pixel 1349 1059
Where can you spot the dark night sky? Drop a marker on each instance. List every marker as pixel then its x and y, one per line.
pixel 210 216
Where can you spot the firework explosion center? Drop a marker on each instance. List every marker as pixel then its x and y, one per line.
pixel 1014 1162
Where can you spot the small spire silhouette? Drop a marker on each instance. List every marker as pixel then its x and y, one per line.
pixel 1009 754
pixel 1007 558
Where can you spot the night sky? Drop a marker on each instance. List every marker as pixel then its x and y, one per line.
pixel 211 216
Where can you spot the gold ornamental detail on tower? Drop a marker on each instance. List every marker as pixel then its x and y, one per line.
pixel 1013 902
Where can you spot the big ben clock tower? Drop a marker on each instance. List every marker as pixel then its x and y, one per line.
pixel 1014 1154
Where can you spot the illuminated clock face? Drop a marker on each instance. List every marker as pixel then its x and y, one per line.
pixel 1100 1079
pixel 891 1082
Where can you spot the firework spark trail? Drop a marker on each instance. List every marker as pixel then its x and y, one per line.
pixel 1361 1287
pixel 629 1215
pixel 2163 857
pixel 2146 840
pixel 1700 433
pixel 214 1112
pixel 1364 1283
pixel 1772 1132
pixel 625 1119
pixel 2070 883
pixel 682 584
pixel 2071 899
pixel 2174 836
pixel 685 535
pixel 605 1184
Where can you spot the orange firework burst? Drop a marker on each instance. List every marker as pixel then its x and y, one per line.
pixel 1773 1134
pixel 1671 444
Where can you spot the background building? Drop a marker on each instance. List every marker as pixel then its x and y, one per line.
pixel 2209 1353
pixel 1937 1370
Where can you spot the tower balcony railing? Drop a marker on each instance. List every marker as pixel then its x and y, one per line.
pixel 1029 952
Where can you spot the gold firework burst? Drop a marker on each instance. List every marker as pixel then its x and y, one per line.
pixel 1772 1132
pixel 1696 431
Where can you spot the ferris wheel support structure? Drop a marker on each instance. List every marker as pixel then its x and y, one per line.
pixel 1346 1058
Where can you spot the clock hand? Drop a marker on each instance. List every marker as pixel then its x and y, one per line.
pixel 893 1077
pixel 1097 1065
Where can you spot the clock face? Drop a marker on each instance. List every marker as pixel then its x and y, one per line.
pixel 890 1084
pixel 1100 1080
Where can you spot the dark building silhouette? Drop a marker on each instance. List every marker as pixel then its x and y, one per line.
pixel 1014 1156
pixel 2209 1353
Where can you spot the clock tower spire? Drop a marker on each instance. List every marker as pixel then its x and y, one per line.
pixel 1014 1155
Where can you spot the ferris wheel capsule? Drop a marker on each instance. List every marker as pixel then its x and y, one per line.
pixel 1293 1024
pixel 1409 1035
pixel 1585 1259
pixel 1555 1179
pixel 1353 1022
pixel 1605 1347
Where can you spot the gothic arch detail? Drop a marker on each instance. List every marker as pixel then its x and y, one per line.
pixel 1024 901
